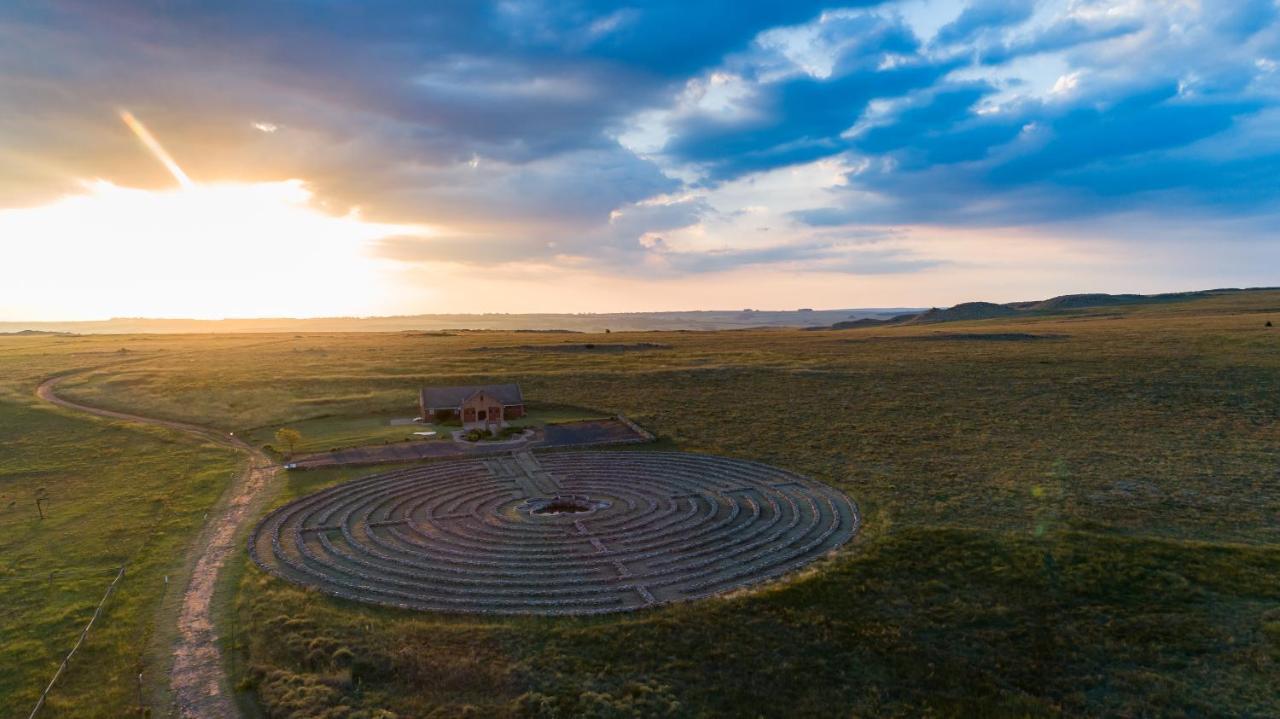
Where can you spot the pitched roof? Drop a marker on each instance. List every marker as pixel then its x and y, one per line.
pixel 450 397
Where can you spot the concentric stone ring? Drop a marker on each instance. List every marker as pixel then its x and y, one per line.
pixel 562 533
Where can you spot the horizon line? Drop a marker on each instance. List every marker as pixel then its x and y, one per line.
pixel 616 314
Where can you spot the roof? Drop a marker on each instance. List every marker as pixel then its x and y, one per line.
pixel 450 397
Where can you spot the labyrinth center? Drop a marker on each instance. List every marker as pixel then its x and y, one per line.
pixel 563 533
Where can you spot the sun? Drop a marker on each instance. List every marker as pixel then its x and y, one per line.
pixel 198 250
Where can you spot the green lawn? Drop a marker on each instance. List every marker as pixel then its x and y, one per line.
pixel 541 415
pixel 321 434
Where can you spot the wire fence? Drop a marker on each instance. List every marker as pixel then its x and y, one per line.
pixel 62 667
pixel 48 575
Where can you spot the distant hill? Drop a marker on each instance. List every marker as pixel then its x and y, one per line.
pixel 969 311
pixel 1074 302
pixel 546 322
pixel 962 312
pixel 29 333
pixel 1085 301
pixel 868 322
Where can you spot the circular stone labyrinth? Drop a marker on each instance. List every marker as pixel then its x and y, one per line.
pixel 563 533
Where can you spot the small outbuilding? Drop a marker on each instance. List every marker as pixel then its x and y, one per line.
pixel 478 406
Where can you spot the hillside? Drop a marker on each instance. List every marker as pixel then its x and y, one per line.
pixel 972 311
pixel 962 312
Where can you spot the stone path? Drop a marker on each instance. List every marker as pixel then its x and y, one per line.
pixel 464 536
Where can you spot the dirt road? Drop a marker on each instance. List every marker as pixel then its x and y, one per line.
pixel 198 681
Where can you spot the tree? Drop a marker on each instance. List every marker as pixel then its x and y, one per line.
pixel 288 437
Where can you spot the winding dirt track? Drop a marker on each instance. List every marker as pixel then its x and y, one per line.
pixel 197 680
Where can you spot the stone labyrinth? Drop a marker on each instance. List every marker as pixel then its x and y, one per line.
pixel 564 533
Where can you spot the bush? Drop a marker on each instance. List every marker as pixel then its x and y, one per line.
pixel 1271 630
pixel 649 699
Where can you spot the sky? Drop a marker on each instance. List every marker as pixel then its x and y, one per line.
pixel 330 157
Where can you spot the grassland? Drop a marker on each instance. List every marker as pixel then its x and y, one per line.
pixel 118 494
pixel 1087 523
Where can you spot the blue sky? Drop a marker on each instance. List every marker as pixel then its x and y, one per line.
pixel 684 154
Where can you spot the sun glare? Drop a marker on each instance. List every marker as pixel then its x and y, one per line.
pixel 201 251
pixel 197 250
pixel 153 145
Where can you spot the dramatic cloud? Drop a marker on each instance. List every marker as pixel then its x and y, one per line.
pixel 668 139
pixel 1152 115
pixel 982 16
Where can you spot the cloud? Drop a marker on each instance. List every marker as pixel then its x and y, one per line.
pixel 797 119
pixel 1152 117
pixel 616 244
pixel 831 257
pixel 983 15
pixel 1064 34
pixel 537 131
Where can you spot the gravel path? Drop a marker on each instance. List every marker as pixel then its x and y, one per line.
pixel 198 682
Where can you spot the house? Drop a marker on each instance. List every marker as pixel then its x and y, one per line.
pixel 478 406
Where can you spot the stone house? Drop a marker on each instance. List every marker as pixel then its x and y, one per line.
pixel 487 406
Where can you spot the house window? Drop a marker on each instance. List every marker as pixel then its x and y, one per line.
pixel 480 415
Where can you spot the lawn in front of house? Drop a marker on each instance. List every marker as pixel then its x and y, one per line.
pixel 539 415
pixel 323 434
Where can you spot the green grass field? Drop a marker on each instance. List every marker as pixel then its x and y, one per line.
pixel 329 432
pixel 1087 523
pixel 117 494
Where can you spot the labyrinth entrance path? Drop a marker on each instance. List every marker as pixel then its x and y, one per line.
pixel 562 533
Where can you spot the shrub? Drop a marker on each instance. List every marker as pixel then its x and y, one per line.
pixel 343 657
pixel 1271 630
